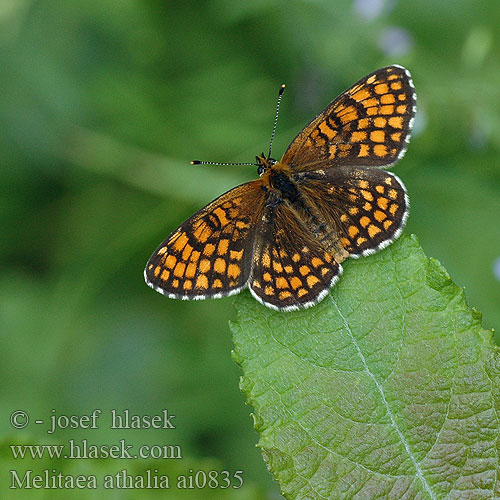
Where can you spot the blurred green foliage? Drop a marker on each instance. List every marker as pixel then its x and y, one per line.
pixel 102 106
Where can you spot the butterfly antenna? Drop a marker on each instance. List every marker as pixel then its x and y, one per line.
pixel 199 162
pixel 280 93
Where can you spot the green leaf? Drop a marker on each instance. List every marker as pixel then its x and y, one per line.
pixel 389 388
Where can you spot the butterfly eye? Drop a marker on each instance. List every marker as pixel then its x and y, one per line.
pixel 260 170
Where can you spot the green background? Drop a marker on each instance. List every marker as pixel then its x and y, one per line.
pixel 102 106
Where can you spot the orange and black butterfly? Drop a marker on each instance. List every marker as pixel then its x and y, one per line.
pixel 285 234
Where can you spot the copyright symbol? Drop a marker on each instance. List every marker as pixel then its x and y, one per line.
pixel 19 419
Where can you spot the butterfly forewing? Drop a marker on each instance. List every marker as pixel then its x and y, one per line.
pixel 364 208
pixel 368 124
pixel 291 268
pixel 210 255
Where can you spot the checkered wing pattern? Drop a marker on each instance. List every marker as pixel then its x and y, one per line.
pixel 291 268
pixel 368 125
pixel 363 208
pixel 210 255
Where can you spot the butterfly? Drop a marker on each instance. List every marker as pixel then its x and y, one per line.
pixel 285 234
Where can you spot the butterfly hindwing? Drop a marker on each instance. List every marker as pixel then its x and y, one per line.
pixel 291 269
pixel 365 208
pixel 368 125
pixel 209 255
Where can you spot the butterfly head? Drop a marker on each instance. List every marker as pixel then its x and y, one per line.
pixel 264 163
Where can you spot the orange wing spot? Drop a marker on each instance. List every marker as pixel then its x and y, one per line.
pixel 302 292
pixel 388 180
pixel 388 99
pixel 401 109
pixel 361 240
pixel 316 262
pixel 187 252
pixel 222 247
pixel 234 255
pixel 380 122
pixel 311 280
pixel 175 283
pixel 217 283
pixel 382 203
pixel 304 270
pixel 296 257
pixel 219 265
pixel 209 249
pixel 380 189
pixel 393 208
pixel 364 221
pixel 285 295
pixel 179 269
pixel 204 266
pixel 324 271
pixel 282 283
pixel 366 194
pixel 344 218
pixel 180 242
pixel 371 79
pixel 170 261
pixel 242 225
pixel 363 184
pixel 345 242
pixel 396 137
pixel 358 136
pixel 349 117
pixel 373 230
pixel 202 233
pixel 327 257
pixel 326 130
pixel 381 88
pixel 360 95
pixel 380 150
pixel 277 267
pixel 370 103
pixel 295 282
pixel 364 150
pixel 190 270
pixel 202 282
pixel 396 121
pixel 195 255
pixel 267 277
pixel 156 271
pixel 345 149
pixel 392 194
pixel 165 275
pixel 233 270
pixel 354 210
pixel 401 97
pixel 162 250
pixel 187 285
pixel 372 111
pixel 283 254
pixel 377 136
pixel 396 85
pixel 367 206
pixel 387 224
pixel 363 123
pixel 393 77
pixel 353 231
pixel 387 110
pixel 269 290
pixel 289 269
pixel 266 259
pixel 379 215
pixel 332 150
pixel 256 284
